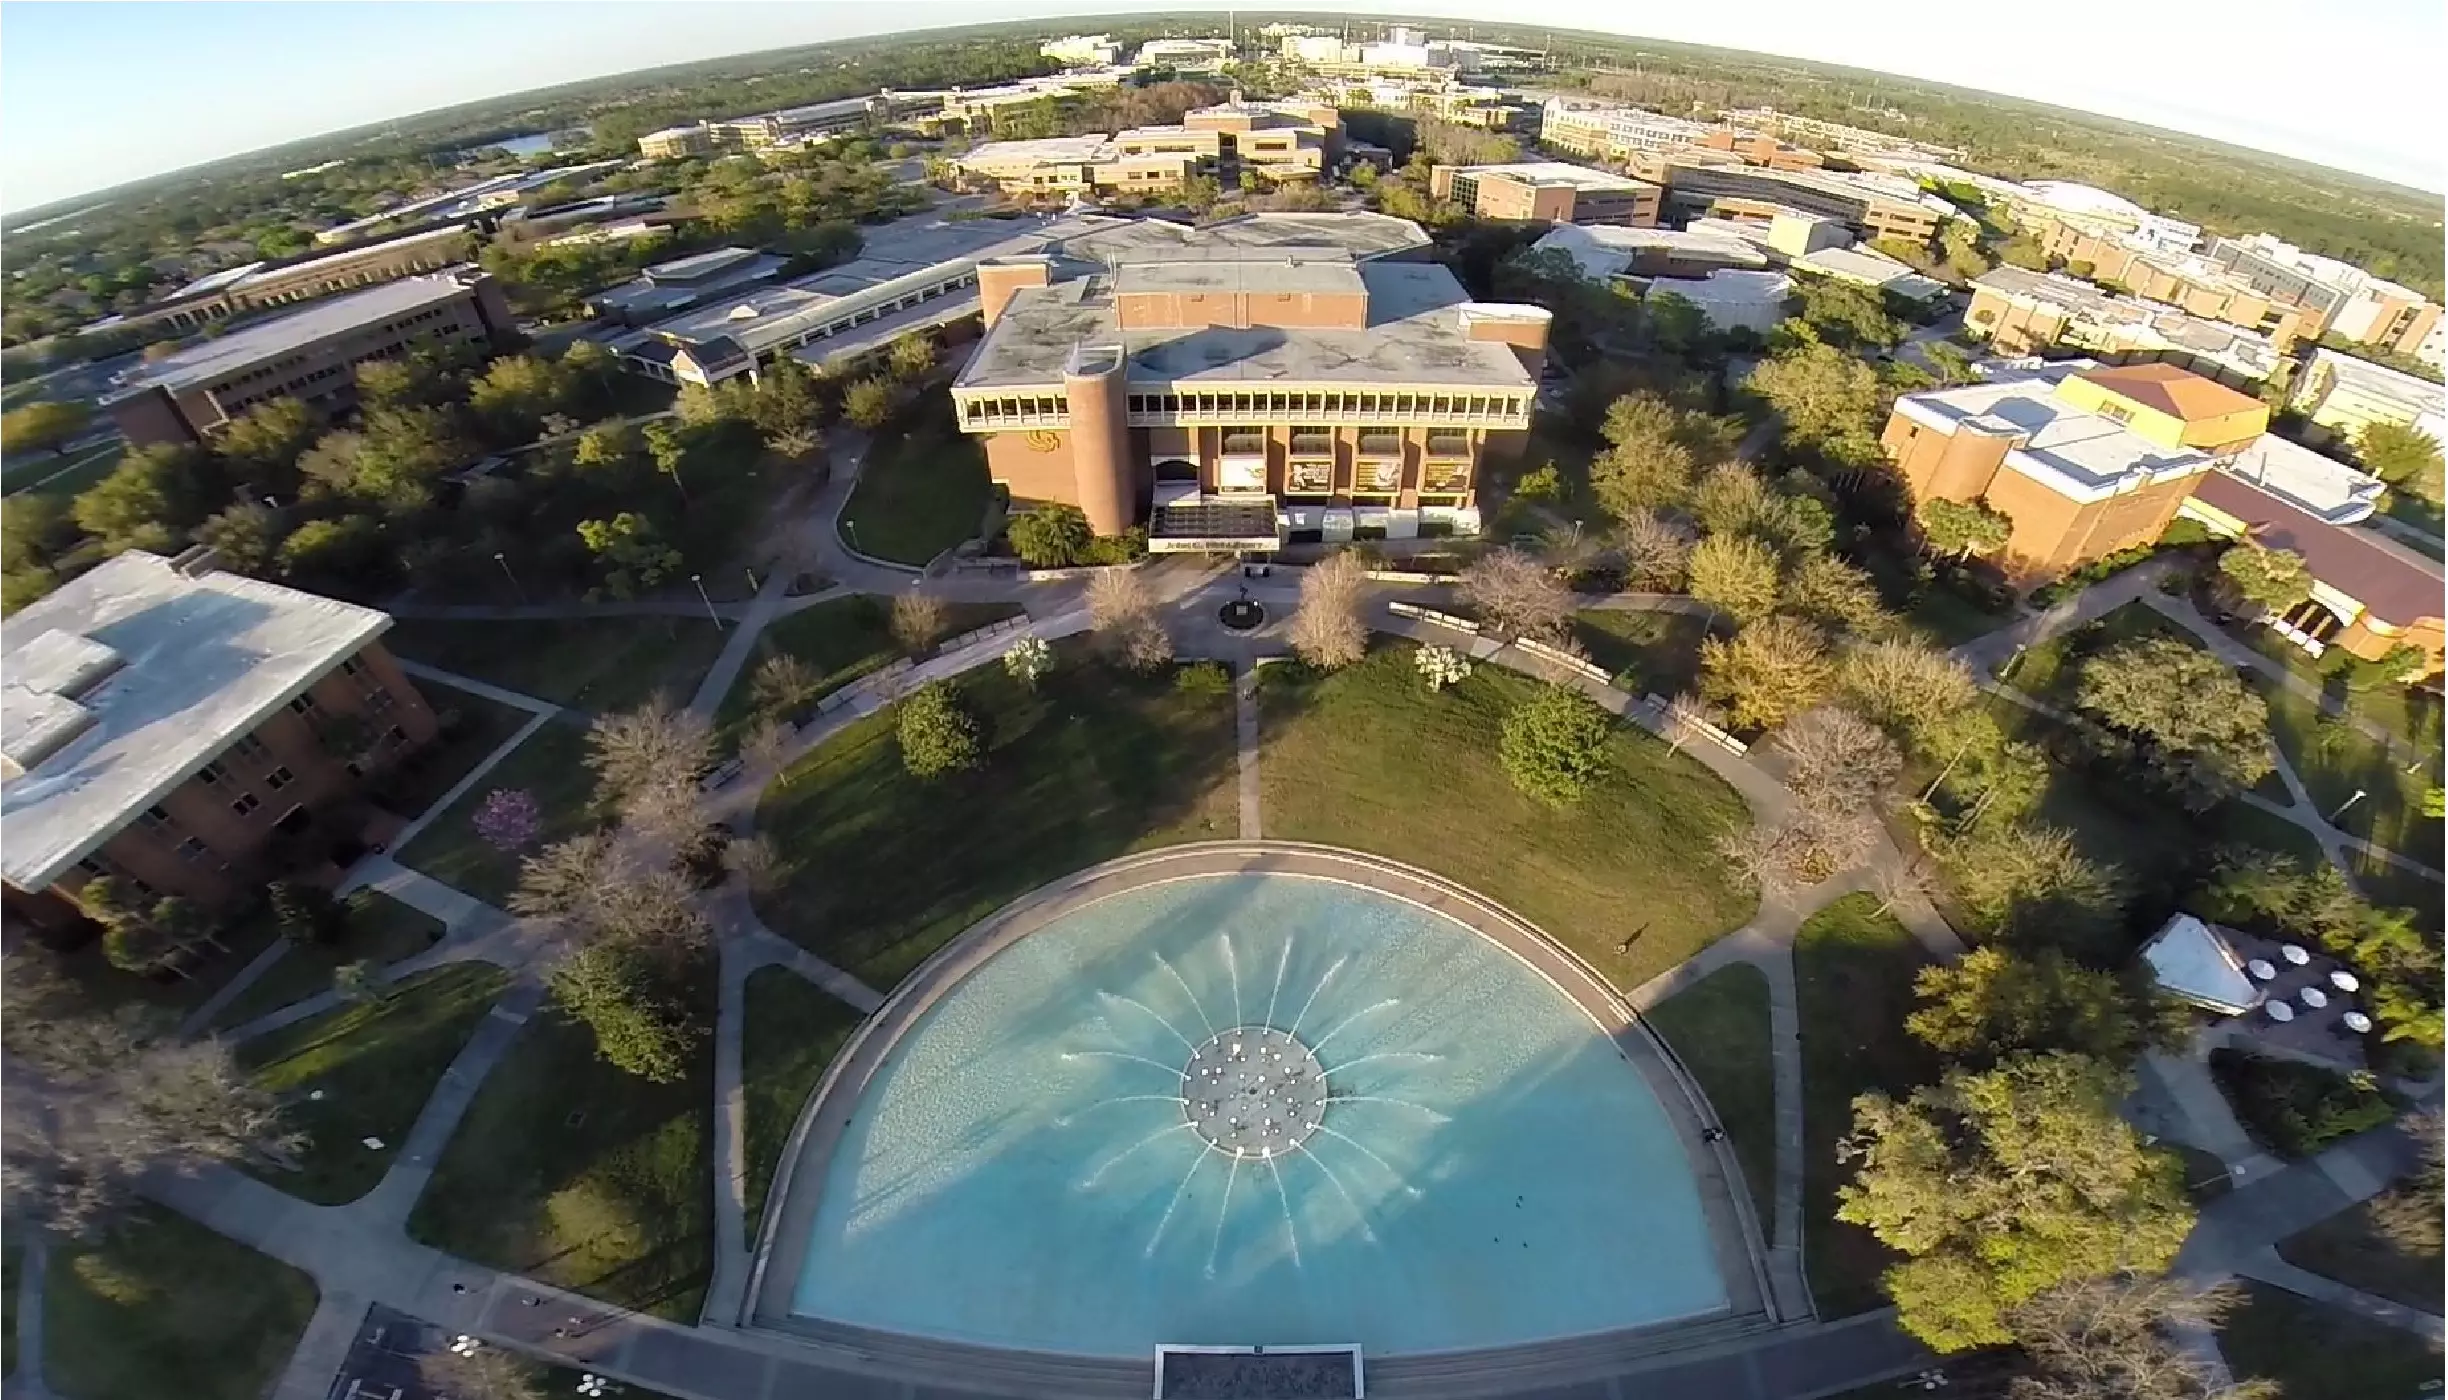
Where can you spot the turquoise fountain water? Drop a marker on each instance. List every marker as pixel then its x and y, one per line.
pixel 1256 1109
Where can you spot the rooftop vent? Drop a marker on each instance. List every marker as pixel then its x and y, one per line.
pixel 195 561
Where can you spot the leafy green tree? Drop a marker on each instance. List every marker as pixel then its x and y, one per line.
pixel 1963 528
pixel 1828 400
pixel 1554 745
pixel 911 357
pixel 2192 716
pixel 1200 193
pixel 1735 574
pixel 392 384
pixel 868 403
pixel 785 399
pixel 633 556
pixel 700 406
pixel 246 536
pixel 1834 594
pixel 1846 315
pixel 1999 1184
pixel 1995 1002
pixel 42 426
pixel 2398 454
pixel 2274 578
pixel 148 501
pixel 263 444
pixel 607 445
pixel 642 1025
pixel 938 734
pixel 1647 464
pixel 668 445
pixel 402 455
pixel 2029 880
pixel 1768 672
pixel 35 530
pixel 345 548
pixel 515 392
pixel 1051 536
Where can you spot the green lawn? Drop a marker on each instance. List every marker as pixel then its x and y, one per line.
pixel 2348 1247
pixel 1946 618
pixel 841 640
pixel 2336 760
pixel 597 664
pixel 551 765
pixel 106 987
pixel 379 930
pixel 793 1031
pixel 571 1171
pixel 67 476
pixel 375 1064
pixel 881 869
pixel 1368 758
pixel 2317 1352
pixel 1649 653
pixel 1718 1027
pixel 163 1306
pixel 922 490
pixel 2048 669
pixel 478 727
pixel 1854 970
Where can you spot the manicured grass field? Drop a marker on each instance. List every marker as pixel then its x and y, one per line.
pixel 1368 758
pixel 841 640
pixel 2049 669
pixel 793 1030
pixel 922 490
pixel 551 765
pixel 1946 618
pixel 881 869
pixel 596 664
pixel 1718 1027
pixel 2336 761
pixel 2317 1352
pixel 1650 653
pixel 384 933
pixel 375 1064
pixel 571 1171
pixel 69 476
pixel 479 729
pixel 1854 970
pixel 163 1306
pixel 2349 1248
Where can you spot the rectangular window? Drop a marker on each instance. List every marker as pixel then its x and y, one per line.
pixel 193 849
pixel 279 778
pixel 92 869
pixel 304 705
pixel 396 734
pixel 211 773
pixel 378 701
pixel 245 804
pixel 155 819
pixel 351 666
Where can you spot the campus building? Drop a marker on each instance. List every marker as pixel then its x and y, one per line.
pixel 1703 182
pixel 309 355
pixel 1271 378
pixel 2100 213
pixel 2342 395
pixel 1276 141
pixel 1733 299
pixel 257 286
pixel 1606 251
pixel 1185 55
pixel 1855 141
pixel 1082 51
pixel 1598 132
pixel 1547 191
pixel 2021 312
pixel 190 733
pixel 2085 460
pixel 1871 269
pixel 2338 298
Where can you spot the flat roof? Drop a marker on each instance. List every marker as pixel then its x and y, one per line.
pixel 2382 382
pixel 1243 270
pixel 221 356
pixel 1557 172
pixel 2074 453
pixel 2392 582
pixel 1871 269
pixel 1043 150
pixel 2325 486
pixel 130 678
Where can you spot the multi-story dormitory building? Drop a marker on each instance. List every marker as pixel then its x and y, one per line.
pixel 309 355
pixel 1267 380
pixel 189 733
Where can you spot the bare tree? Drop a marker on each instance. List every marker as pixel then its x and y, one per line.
pixel 2409 1213
pixel 653 746
pixel 765 748
pixel 1687 714
pixel 755 861
pixel 1838 760
pixel 1756 854
pixel 1518 596
pixel 781 683
pixel 1327 632
pixel 484 1373
pixel 918 621
pixel 1907 686
pixel 1118 600
pixel 2116 1339
pixel 607 885
pixel 1655 553
pixel 1148 646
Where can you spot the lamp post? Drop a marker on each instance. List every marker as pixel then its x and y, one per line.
pixel 2359 795
pixel 699 580
pixel 502 559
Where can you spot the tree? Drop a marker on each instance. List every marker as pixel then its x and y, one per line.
pixel 2029 879
pixel 2120 1338
pixel 1028 661
pixel 633 556
pixel 1772 669
pixel 1836 760
pixel 515 392
pixel 668 446
pixel 1327 632
pixel 2191 715
pixel 1199 193
pixel 641 1026
pixel 2400 455
pixel 1647 465
pixel 1554 745
pixel 938 735
pixel 41 426
pixel 1736 575
pixel 1518 596
pixel 2000 1184
pixel 614 444
pixel 1827 398
pixel 755 862
pixel 652 748
pixel 1050 536
pixel 2409 1214
pixel 918 621
pixel 1963 528
pixel 1834 594
pixel 509 820
pixel 1123 613
pixel 1909 688
pixel 912 357
pixel 1730 500
pixel 263 444
pixel 390 384
pixel 782 683
pixel 1846 315
pixel 247 536
pixel 147 502
pixel 1441 666
pixel 347 548
pixel 701 406
pixel 304 913
pixel 2274 578
pixel 401 454
pixel 1655 552
pixel 765 748
pixel 785 400
pixel 606 886
pixel 868 403
pixel 35 531
pixel 1996 1002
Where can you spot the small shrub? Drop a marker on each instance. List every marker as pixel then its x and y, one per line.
pixel 1203 678
pixel 938 735
pixel 1554 745
pixel 2296 1109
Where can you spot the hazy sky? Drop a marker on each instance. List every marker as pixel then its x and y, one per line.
pixel 92 95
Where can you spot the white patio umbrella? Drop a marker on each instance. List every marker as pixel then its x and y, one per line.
pixel 2295 954
pixel 2261 969
pixel 2357 1022
pixel 2343 980
pixel 2315 998
pixel 2280 1011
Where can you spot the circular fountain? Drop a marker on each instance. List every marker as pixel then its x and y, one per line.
pixel 1253 1091
pixel 1241 615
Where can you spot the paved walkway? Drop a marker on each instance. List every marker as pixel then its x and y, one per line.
pixel 2234 1228
pixel 1245 739
pixel 25 1377
pixel 2269 1268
